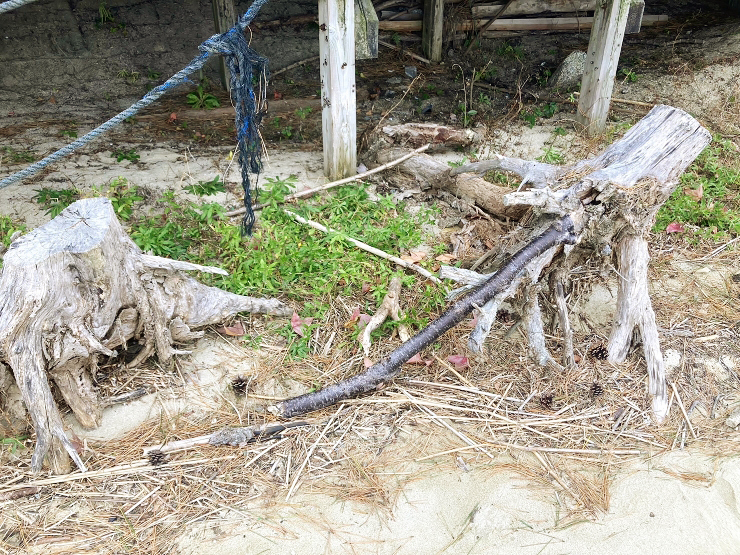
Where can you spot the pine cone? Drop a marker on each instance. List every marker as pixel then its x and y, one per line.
pixel 240 384
pixel 600 352
pixel 157 457
pixel 596 389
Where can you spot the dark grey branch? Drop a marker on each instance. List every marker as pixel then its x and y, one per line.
pixel 562 231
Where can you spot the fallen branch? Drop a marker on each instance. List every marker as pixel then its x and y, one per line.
pixel 313 191
pixel 364 246
pixel 410 54
pixel 226 436
pixel 562 231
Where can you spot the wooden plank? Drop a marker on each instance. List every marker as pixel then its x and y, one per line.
pixel 531 24
pixel 338 95
pixel 634 17
pixel 529 7
pixel 224 18
pixel 602 57
pixel 366 30
pixel 431 38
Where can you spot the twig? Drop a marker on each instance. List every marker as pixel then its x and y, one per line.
pixel 683 410
pixel 291 66
pixel 534 448
pixel 125 397
pixel 411 54
pixel 363 175
pixel 226 436
pixel 366 247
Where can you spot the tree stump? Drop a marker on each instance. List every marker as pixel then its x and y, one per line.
pixel 611 201
pixel 78 288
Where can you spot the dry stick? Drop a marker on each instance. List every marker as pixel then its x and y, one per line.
pixel 411 54
pixel 291 66
pixel 683 410
pixel 562 231
pixel 366 247
pixel 487 26
pixel 309 192
pixel 533 448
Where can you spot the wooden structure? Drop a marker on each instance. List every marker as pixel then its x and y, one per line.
pixel 612 18
pixel 224 18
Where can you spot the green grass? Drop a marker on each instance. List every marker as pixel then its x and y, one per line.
pixel 8 226
pixel 717 213
pixel 16 156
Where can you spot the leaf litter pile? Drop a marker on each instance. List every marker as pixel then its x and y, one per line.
pixel 448 409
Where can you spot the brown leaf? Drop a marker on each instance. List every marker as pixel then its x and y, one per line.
pixel 695 194
pixel 414 256
pixel 237 330
pixel 446 258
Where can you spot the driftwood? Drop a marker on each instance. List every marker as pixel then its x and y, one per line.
pixel 392 142
pixel 78 288
pixel 602 208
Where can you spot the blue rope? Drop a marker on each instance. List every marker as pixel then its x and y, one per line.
pixel 248 70
pixel 13 4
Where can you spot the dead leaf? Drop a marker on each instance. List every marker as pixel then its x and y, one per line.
pixel 173 117
pixel 237 330
pixel 414 256
pixel 459 361
pixel 297 323
pixel 695 194
pixel 416 359
pixel 365 288
pixel 446 258
pixel 674 227
pixel 367 362
pixel 277 95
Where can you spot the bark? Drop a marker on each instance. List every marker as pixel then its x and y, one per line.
pixel 78 288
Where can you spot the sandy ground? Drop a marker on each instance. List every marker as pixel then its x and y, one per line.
pixel 684 501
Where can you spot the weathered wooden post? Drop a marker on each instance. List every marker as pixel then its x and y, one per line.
pixel 431 34
pixel 610 23
pixel 339 119
pixel 224 18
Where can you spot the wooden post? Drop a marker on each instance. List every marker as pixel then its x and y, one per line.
pixel 224 18
pixel 431 34
pixel 338 115
pixel 366 30
pixel 604 46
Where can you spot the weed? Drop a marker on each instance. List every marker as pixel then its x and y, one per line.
pixel 122 196
pixel 152 75
pixel 303 113
pixel 7 228
pixel 17 156
pixel 129 76
pixel 484 99
pixel 55 200
pixel 559 132
pixel 285 130
pixel 629 75
pixel 552 156
pixel 544 111
pixel 121 154
pixel 716 210
pixel 201 100
pixel 71 133
pixel 207 188
pixel 543 77
pixel 461 163
pixel 509 51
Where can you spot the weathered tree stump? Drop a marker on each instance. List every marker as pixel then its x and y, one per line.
pixel 584 213
pixel 78 288
pixel 612 199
